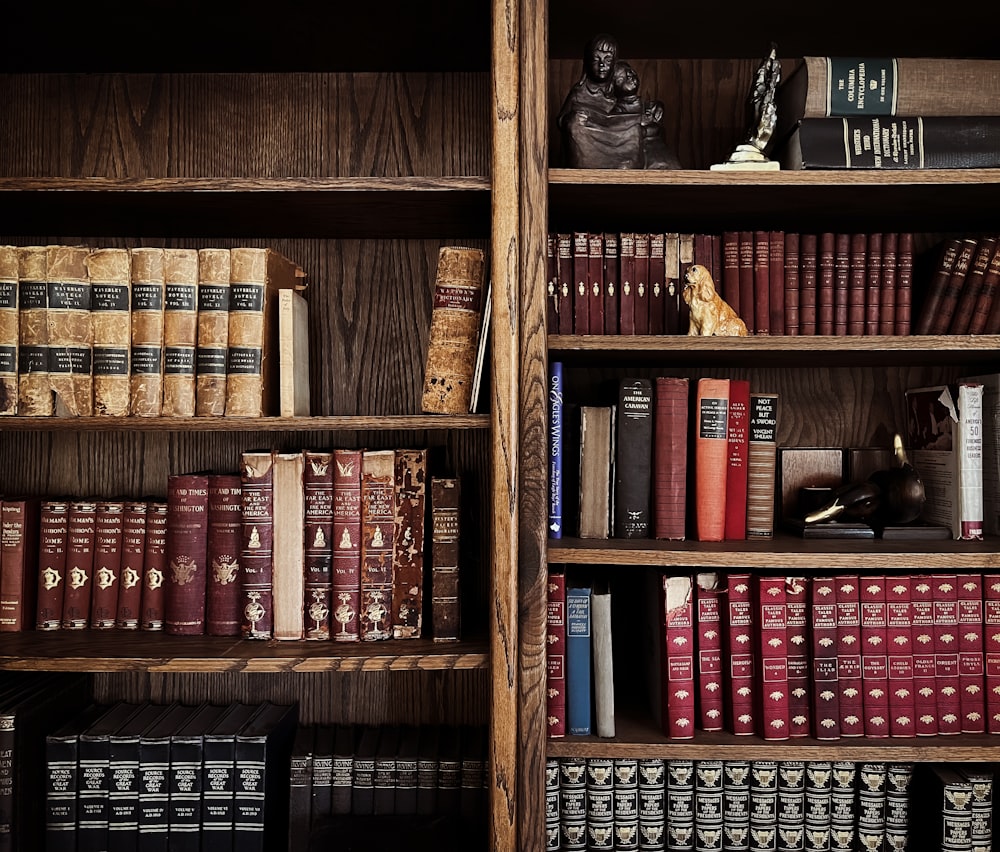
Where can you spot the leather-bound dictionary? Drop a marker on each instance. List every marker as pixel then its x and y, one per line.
pixel 446 602
pixel 970 654
pixel 256 275
pixel 762 448
pixel 317 480
pixel 408 554
pixel 873 282
pixel 378 522
pixel 18 562
pixel 736 470
pixel 738 628
pixel 34 395
pixel 180 331
pixel 9 330
pixel 849 679
pixel 451 349
pixel 924 668
pixel 771 638
pixel 146 375
pixel 555 654
pixel 187 554
pixel 346 564
pixel 257 544
pixel 857 282
pixel 991 650
pixel 288 554
pixel 946 639
pixel 53 533
pixel 968 298
pixel 79 564
pixel 887 286
pixel 108 530
pixel 213 332
pixel 154 567
pixel 225 527
pixel 633 462
pixel 110 275
pixel 825 685
pixel 129 602
pixel 710 597
pixel 595 283
pixel 711 457
pixel 671 409
pixel 799 655
pixel 70 330
pixel 874 658
pixel 899 651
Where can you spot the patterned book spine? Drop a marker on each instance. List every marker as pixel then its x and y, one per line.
pixel 187 551
pixel 762 282
pixel 970 654
pixel 19 558
pixel 981 780
pixel 52 548
pixel 808 246
pixel 225 526
pixel 154 567
pixel 736 804
pixel 969 296
pixel 446 602
pixel 108 528
pixel 776 280
pixel 378 518
pixel 633 449
pixel 70 331
pixel 677 680
pixel 408 554
pixel 947 254
pixel 771 638
pixel 573 803
pixel 763 804
pixel 857 283
pixel 9 330
pixel 762 451
pixel 600 790
pixel 874 659
pixel 256 545
pixel 110 272
pixel 146 373
pixel 708 804
pixel 849 656
pixel 872 804
pixel 711 443
pixel 843 805
pixel 34 396
pixel 819 790
pixel 887 289
pixel 946 644
pixel 738 634
pixel 904 283
pixel 555 654
pixel 79 565
pixel 564 260
pixel 736 471
pixel 346 560
pixel 899 646
pixel 214 269
pixel 626 283
pixel 710 598
pixel 652 802
pixel 680 804
pixel 595 283
pixel 986 315
pixel 991 650
pixel 318 486
pixel 642 301
pixel 791 804
pixel 897 805
pixel 578 657
pixel 657 283
pixel 553 293
pixel 580 298
pixel 924 682
pixel 180 331
pixel 556 418
pixel 133 556
pixel 670 449
pixel 552 804
pixel 793 295
pixel 826 688
pixel 799 660
pixel 941 319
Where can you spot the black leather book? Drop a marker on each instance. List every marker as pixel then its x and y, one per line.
pixel 300 787
pixel 154 778
pixel 322 772
pixel 384 784
pixel 633 462
pixel 363 783
pixel 406 770
pixel 218 774
pixel 449 791
pixel 185 786
pixel 342 783
pixel 427 769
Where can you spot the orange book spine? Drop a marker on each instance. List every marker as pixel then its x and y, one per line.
pixel 711 458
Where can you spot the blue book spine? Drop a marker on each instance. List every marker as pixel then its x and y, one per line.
pixel 578 660
pixel 555 448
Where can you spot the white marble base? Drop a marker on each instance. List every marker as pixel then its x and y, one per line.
pixel 748 166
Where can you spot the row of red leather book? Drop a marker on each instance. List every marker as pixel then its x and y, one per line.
pixel 962 288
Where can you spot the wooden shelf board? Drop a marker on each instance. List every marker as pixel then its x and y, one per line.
pixel 113 650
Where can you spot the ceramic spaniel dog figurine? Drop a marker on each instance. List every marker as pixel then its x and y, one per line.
pixel 710 314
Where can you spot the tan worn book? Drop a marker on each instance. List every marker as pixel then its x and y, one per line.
pixel 180 330
pixel 378 524
pixel 110 274
pixel 146 377
pixel 213 331
pixel 293 353
pixel 71 333
pixel 288 558
pixel 8 330
pixel 596 455
pixel 408 554
pixel 451 350
pixel 252 365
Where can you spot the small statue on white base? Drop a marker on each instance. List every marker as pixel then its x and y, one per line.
pixel 749 155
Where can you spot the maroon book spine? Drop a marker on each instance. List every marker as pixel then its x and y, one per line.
pixel 762 282
pixel 19 560
pixel 826 688
pixel 852 715
pixel 873 283
pixel 946 637
pixel 841 283
pixel 378 521
pixel 346 582
pixel 154 567
pixel 899 643
pixel 938 283
pixel 961 321
pixel 317 484
pixel 257 545
pixel 924 681
pixel 986 315
pixel 626 283
pixel 730 283
pixel 799 659
pixel 826 250
pixel 564 261
pixel 674 285
pixel 736 471
pixel 776 280
pixel 739 668
pixel 595 283
pixel 991 650
pixel 904 283
pixel 53 533
pixel 941 321
pixel 670 455
pixel 857 284
pixel 771 639
pixel 657 283
pixel 408 553
pixel 108 527
pixel 747 299
pixel 610 277
pixel 807 283
pixel 225 528
pixel 187 554
pixel 677 678
pixel 79 565
pixel 446 603
pixel 641 308
pixel 874 659
pixel 793 317
pixel 970 654
pixel 552 292
pixel 710 598
pixel 685 257
pixel 133 555
pixel 555 655
pixel 887 287
pixel 581 293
